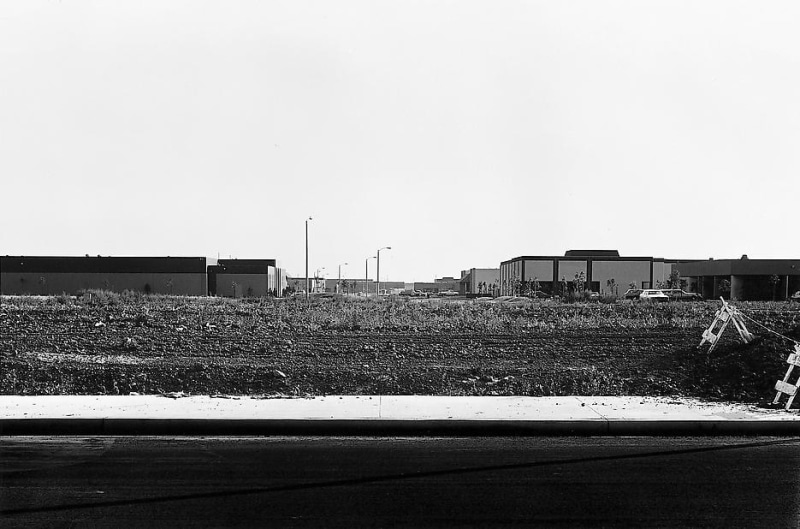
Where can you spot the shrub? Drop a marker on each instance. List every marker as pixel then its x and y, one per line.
pixel 64 299
pixel 98 297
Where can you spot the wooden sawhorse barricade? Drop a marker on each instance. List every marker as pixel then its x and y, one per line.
pixel 722 318
pixel 784 387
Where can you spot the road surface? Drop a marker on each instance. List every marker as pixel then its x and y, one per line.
pixel 399 482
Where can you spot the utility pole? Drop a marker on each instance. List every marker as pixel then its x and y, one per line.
pixel 378 279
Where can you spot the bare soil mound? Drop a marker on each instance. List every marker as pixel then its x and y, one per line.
pixel 111 344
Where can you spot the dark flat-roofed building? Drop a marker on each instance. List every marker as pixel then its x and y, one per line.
pixel 744 279
pixel 51 275
pixel 238 278
pixel 603 271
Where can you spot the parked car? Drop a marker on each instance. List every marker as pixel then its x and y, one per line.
pixel 681 295
pixel 795 296
pixel 649 294
pixel 632 293
pixel 448 293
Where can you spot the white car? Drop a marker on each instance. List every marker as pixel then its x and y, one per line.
pixel 653 295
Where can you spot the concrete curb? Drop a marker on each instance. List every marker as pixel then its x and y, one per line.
pixel 387 416
pixel 355 427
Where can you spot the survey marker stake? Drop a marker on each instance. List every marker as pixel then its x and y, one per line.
pixel 784 386
pixel 722 318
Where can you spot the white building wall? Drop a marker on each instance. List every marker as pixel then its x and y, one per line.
pixel 490 276
pixel 661 272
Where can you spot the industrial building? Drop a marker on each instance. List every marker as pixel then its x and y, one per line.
pixel 602 271
pixel 441 284
pixel 476 281
pixel 180 276
pixel 353 286
pixel 359 286
pixel 743 279
pixel 237 278
pixel 58 275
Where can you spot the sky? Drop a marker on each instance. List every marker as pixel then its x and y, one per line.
pixel 459 133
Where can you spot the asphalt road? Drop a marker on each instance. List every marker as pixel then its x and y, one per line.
pixel 399 482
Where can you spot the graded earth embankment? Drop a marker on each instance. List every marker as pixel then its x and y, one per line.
pixel 114 344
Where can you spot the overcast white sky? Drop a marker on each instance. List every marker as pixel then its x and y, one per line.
pixel 461 133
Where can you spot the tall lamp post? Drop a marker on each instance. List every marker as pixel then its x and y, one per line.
pixel 339 284
pixel 366 276
pixel 378 284
pixel 309 218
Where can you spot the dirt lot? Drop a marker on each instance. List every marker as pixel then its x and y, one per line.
pixel 113 344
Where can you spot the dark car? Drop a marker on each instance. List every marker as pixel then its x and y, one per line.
pixel 632 293
pixel 676 294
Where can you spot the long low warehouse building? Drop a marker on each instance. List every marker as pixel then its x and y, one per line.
pixel 68 275
pixel 743 279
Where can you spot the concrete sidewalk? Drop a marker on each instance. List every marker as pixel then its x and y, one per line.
pixel 386 415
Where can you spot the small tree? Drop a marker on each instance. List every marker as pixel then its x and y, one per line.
pixel 774 280
pixel 535 284
pixel 580 282
pixel 724 287
pixel 674 280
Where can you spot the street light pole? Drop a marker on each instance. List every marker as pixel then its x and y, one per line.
pixel 309 218
pixel 378 279
pixel 339 283
pixel 366 276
